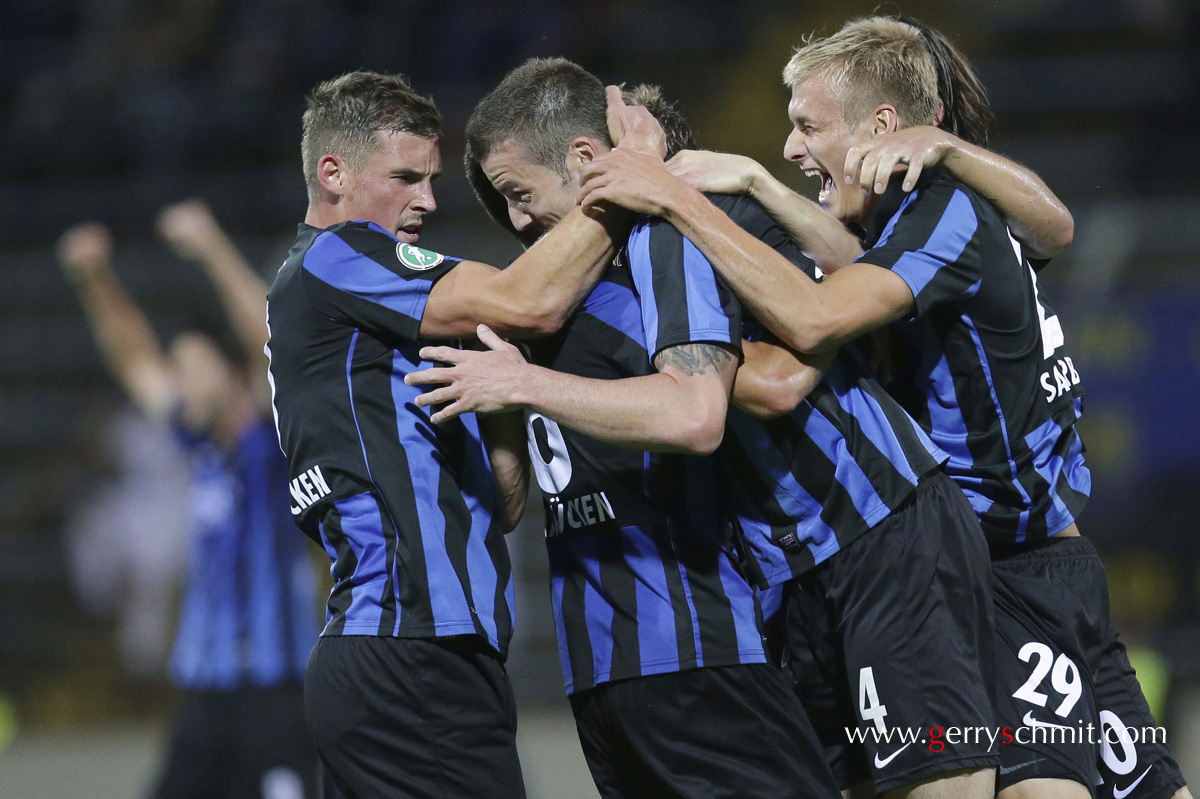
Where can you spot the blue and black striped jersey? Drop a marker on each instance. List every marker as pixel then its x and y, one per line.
pixel 989 376
pixel 808 483
pixel 249 613
pixel 405 509
pixel 643 573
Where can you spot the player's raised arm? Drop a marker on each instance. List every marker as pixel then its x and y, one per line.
pixel 122 332
pixel 821 237
pixel 808 316
pixel 1037 218
pixel 194 233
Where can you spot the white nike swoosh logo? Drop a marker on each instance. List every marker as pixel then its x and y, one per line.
pixel 1119 793
pixel 881 763
pixel 1030 721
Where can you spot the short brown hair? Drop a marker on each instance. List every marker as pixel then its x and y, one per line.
pixel 541 106
pixel 871 61
pixel 344 114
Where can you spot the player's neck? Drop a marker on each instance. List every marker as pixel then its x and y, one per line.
pixel 322 214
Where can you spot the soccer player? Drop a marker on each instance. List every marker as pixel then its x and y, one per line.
pixel 659 632
pixel 844 490
pixel 249 614
pixel 988 377
pixel 406 692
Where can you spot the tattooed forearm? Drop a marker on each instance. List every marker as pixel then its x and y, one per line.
pixel 695 359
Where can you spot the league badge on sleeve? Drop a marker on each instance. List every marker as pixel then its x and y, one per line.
pixel 416 258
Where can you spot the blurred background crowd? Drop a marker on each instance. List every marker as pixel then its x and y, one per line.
pixel 111 110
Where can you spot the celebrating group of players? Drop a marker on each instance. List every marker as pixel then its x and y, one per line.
pixel 806 470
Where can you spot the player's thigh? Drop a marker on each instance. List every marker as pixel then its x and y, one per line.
pixel 949 785
pixel 1135 759
pixel 913 605
pixel 730 731
pixel 814 659
pixel 1045 696
pixel 413 717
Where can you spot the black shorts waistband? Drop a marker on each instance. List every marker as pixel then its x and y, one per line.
pixel 1069 548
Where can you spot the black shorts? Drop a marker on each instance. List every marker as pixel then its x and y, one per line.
pixel 891 641
pixel 413 717
pixel 1060 669
pixel 727 731
pixel 242 743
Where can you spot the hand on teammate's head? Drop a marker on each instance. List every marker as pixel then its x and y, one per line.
pixel 633 127
pixel 189 227
pixel 873 163
pixel 84 250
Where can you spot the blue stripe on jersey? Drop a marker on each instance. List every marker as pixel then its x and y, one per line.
pixel 617 307
pixel 891 225
pixel 655 616
pixel 848 473
pixel 480 504
pixel 1012 465
pixel 451 615
pixel 331 551
pixel 691 603
pixel 639 253
pixel 707 320
pixel 793 499
pixel 335 262
pixel 741 601
pixel 353 411
pixel 598 611
pixel 872 421
pixel 1079 477
pixel 559 564
pixel 945 245
pixel 361 523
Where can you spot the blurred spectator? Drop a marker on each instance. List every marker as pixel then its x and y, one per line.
pixel 249 613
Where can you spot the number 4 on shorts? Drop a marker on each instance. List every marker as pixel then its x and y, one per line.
pixel 869 708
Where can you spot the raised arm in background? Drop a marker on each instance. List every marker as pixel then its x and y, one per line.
pixel 123 334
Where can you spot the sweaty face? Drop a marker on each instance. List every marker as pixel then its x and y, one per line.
pixel 394 189
pixel 537 196
pixel 818 143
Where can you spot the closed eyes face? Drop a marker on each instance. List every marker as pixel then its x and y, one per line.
pixel 537 196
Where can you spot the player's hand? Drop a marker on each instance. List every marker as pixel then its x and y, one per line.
pixel 633 127
pixel 872 163
pixel 85 250
pixel 189 227
pixel 633 180
pixel 719 173
pixel 479 381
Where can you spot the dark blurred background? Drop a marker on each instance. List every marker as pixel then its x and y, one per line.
pixel 111 109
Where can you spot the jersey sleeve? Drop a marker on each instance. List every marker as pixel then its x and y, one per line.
pixel 930 243
pixel 362 276
pixel 683 301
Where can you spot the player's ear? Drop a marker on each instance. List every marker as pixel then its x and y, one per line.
pixel 581 150
pixel 332 174
pixel 885 120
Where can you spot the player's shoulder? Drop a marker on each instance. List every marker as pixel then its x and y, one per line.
pixel 951 191
pixel 370 240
